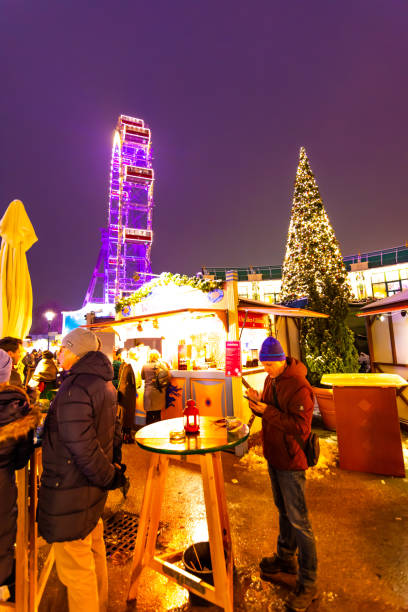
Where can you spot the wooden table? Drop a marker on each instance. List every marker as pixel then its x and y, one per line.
pixel 215 435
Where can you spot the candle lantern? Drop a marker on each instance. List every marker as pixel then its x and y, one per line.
pixel 191 418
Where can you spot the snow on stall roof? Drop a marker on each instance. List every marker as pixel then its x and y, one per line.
pixel 398 300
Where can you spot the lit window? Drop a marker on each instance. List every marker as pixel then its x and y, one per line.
pixel 392 275
pixel 393 287
pixel 377 278
pixel 379 290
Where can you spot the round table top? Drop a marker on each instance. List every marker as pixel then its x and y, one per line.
pixel 216 433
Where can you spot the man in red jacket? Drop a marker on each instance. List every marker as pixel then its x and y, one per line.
pixel 286 407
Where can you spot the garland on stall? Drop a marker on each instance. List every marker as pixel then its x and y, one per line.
pixel 167 278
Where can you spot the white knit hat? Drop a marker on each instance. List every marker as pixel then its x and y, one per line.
pixel 80 341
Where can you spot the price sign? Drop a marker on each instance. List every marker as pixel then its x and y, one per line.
pixel 233 358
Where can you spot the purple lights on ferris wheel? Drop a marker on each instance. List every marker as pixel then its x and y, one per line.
pixel 126 243
pixel 130 209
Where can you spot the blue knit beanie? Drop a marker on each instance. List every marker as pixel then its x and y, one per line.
pixel 271 350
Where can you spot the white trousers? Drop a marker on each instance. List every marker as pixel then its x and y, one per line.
pixel 81 567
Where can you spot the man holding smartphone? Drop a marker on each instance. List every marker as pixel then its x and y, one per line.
pixel 286 408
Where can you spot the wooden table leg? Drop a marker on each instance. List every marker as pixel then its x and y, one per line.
pixel 218 529
pixel 149 519
pixel 224 519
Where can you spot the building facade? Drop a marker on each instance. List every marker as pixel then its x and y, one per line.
pixel 377 274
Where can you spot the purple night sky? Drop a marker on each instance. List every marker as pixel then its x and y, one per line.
pixel 230 90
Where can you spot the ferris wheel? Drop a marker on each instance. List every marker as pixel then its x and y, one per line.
pixel 127 241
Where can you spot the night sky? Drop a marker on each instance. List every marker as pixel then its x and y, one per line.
pixel 230 90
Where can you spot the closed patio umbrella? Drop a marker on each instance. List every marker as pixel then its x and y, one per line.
pixel 16 303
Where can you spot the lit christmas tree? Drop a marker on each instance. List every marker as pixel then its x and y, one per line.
pixel 313 268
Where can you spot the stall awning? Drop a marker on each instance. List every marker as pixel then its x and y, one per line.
pixel 150 316
pixel 398 301
pixel 246 305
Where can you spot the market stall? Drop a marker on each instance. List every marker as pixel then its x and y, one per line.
pixel 210 340
pixel 387 332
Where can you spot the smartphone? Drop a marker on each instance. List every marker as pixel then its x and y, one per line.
pixel 251 400
pixel 245 383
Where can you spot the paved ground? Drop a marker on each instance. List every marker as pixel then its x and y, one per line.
pixel 360 522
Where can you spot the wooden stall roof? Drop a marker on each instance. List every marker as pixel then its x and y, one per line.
pixel 151 315
pixel 398 301
pixel 244 305
pixel 276 309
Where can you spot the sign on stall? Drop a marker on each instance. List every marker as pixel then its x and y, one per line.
pixel 233 358
pixel 252 320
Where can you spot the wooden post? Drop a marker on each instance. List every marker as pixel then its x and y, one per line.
pixel 32 536
pixel 149 519
pixel 29 587
pixel 392 339
pixel 288 349
pixel 369 321
pixel 233 334
pixel 217 521
pixel 22 585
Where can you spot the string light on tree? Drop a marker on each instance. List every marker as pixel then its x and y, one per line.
pixel 313 268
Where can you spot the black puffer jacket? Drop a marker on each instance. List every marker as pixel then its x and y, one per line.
pixel 81 439
pixel 17 423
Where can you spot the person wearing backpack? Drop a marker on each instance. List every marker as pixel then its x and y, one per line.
pixel 286 407
pixel 156 377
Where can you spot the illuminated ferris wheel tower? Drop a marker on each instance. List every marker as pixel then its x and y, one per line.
pixel 127 241
pixel 130 209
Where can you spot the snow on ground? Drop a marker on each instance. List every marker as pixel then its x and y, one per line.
pixel 405 449
pixel 328 459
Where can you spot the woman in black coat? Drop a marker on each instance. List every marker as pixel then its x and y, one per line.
pixel 129 382
pixel 17 424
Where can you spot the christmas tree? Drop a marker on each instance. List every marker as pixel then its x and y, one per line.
pixel 313 268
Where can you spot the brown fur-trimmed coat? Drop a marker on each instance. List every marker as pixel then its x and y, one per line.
pixel 17 423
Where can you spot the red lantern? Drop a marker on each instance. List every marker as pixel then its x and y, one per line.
pixel 191 418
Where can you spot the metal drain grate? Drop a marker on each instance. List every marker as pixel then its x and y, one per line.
pixel 120 536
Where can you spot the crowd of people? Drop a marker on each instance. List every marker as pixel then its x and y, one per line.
pixel 92 413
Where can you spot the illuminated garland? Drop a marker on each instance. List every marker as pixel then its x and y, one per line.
pixel 167 278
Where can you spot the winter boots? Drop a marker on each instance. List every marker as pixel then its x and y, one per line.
pixel 275 565
pixel 301 598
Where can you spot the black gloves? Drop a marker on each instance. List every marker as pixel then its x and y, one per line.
pixel 119 481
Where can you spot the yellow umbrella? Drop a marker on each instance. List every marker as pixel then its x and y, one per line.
pixel 16 304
